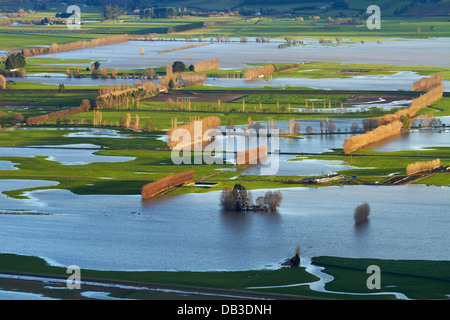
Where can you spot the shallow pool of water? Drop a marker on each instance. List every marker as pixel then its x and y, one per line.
pixel 430 52
pixel 77 154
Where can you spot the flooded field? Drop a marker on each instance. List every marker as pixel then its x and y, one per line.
pixel 123 232
pixel 430 52
pixel 407 222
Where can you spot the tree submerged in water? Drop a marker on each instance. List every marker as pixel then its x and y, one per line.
pixel 295 260
pixel 361 213
pixel 239 199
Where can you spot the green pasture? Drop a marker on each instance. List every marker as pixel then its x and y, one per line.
pixel 417 279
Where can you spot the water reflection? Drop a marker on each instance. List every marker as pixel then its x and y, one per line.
pixel 361 227
pixel 77 154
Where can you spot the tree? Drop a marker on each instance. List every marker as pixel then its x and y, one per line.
pixel 178 66
pixel 236 199
pixel 406 121
pixel 96 65
pixel 270 202
pixel 309 129
pixel 239 199
pixel 2 82
pixel 171 85
pixel 15 61
pixel 331 126
pixel 230 124
pixel 61 88
pixel 111 13
pixel 297 128
pixel 18 118
pixel 354 127
pixel 123 122
pixel 361 213
pixel 150 127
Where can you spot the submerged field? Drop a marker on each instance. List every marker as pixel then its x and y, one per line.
pixel 71 186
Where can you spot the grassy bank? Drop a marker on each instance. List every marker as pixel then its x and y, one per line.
pixel 415 279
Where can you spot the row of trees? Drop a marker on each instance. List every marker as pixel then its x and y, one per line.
pixel 206 65
pixel 428 120
pixel 127 123
pixel 192 129
pixel 184 47
pixel 428 83
pixel 392 124
pixel 421 102
pixel 420 166
pixel 192 79
pixel 55 47
pixel 151 189
pixel 252 156
pixel 15 118
pixel 15 61
pixel 116 98
pixel 84 107
pixel 288 67
pixel 157 13
pixel 239 199
pixel 357 142
pixel 259 72
pixel 2 82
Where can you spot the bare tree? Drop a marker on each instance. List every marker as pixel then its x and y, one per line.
pixel 236 199
pixel 273 200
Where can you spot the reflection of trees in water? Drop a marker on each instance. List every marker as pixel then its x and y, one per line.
pixel 361 227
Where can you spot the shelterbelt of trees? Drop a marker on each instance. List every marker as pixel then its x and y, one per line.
pixel 55 47
pixel 392 124
pixel 153 188
pixel 84 107
pixel 420 166
pixel 190 133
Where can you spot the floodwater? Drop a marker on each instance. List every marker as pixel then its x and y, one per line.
pixel 122 232
pixel 78 154
pixel 399 81
pixel 7 165
pixel 125 233
pixel 430 52
pixel 413 140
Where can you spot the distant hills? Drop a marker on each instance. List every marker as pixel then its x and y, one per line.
pixel 272 7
